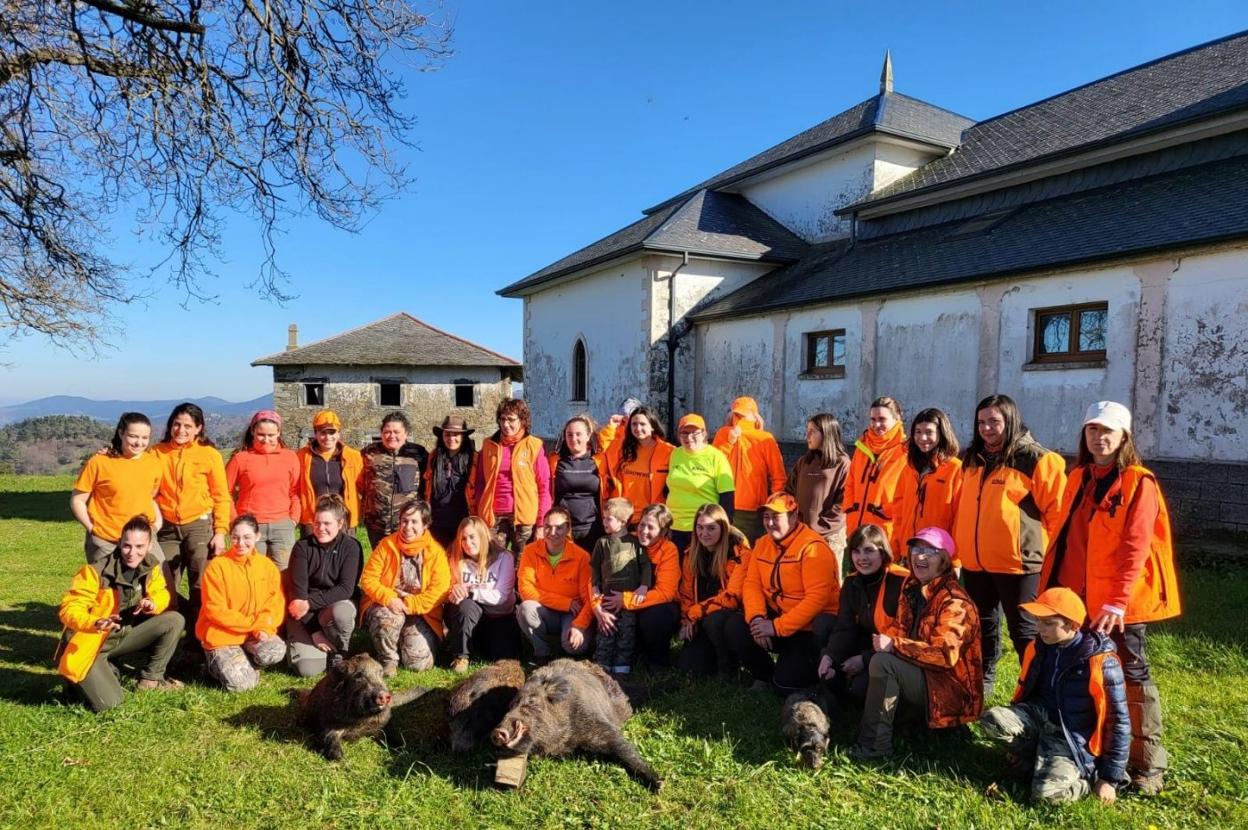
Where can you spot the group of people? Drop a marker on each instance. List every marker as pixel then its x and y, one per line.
pixel 879 574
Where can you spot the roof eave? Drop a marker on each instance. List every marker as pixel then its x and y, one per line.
pixel 523 287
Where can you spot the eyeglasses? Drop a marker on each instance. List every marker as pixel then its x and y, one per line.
pixel 923 553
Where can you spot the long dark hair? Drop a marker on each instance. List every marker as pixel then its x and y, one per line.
pixel 127 420
pixel 946 441
pixel 196 414
pixel 249 434
pixel 628 451
pixel 1011 436
pixel 1127 455
pixel 832 450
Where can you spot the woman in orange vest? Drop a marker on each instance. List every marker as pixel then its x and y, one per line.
pixel 579 479
pixel 867 606
pixel 194 502
pixel 757 467
pixel 928 489
pixel 511 482
pixel 1008 510
pixel 879 457
pixel 710 591
pixel 639 460
pixel 1115 551
pixel 328 467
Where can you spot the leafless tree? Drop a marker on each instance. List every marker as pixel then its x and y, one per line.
pixel 182 112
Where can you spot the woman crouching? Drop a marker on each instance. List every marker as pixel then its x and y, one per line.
pixel 324 569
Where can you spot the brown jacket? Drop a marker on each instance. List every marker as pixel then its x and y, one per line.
pixel 943 639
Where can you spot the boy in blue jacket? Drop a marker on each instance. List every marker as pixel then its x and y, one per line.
pixel 1070 709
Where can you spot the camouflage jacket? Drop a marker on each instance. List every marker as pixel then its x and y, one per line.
pixel 389 479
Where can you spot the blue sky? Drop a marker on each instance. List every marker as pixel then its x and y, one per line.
pixel 556 123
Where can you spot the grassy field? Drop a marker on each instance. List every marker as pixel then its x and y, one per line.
pixel 201 758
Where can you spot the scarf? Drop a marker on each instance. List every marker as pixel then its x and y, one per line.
pixel 876 445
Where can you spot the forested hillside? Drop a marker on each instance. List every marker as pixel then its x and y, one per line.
pixel 51 444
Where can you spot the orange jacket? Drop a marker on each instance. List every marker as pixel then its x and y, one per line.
pixel 604 477
pixel 352 468
pixel 1154 591
pixel 943 640
pixel 267 484
pixel 1096 691
pixel 557 587
pixel 87 601
pixel 791 581
pixel 1005 519
pixel 524 455
pixel 640 483
pixel 242 596
pixel 757 468
pixel 380 577
pixel 929 502
pixel 665 561
pixel 729 596
pixel 192 484
pixel 872 483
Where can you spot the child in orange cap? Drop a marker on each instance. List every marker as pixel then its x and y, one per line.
pixel 1069 712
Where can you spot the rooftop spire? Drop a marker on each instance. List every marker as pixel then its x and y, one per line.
pixel 886 74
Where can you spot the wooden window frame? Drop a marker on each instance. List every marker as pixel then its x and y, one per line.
pixel 809 341
pixel 1039 356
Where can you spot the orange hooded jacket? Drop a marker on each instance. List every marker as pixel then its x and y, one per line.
pixel 380 577
pixel 557 587
pixel 791 581
pixel 641 480
pixel 242 596
pixel 192 484
pixel 871 487
pixel 929 501
pixel 729 596
pixel 757 468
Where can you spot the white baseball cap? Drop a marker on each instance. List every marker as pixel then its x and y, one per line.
pixel 1108 414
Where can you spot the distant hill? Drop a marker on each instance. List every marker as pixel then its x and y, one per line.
pixel 110 411
pixel 51 444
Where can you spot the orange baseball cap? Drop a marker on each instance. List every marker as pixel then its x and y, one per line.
pixel 693 419
pixel 745 406
pixel 326 418
pixel 1061 602
pixel 780 502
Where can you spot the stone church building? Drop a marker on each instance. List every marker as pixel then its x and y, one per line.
pixel 1088 246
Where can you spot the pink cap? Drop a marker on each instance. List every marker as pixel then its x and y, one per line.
pixel 266 415
pixel 937 537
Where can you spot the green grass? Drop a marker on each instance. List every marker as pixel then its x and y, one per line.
pixel 202 758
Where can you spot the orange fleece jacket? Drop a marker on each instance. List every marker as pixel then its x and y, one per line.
pixel 267 484
pixel 557 587
pixel 757 467
pixel 242 596
pixel 193 483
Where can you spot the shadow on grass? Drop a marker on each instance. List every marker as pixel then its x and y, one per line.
pixel 419 740
pixel 40 506
pixel 28 636
pixel 277 723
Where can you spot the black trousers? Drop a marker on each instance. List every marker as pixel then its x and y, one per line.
pixel 656 626
pixel 472 632
pixel 994 593
pixel 708 654
pixel 797 657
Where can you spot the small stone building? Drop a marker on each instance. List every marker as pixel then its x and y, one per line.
pixel 396 363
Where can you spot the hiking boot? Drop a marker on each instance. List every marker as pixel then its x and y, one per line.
pixel 1147 783
pixel 460 665
pixel 390 669
pixel 162 685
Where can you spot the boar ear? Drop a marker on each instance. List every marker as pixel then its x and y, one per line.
pixel 558 691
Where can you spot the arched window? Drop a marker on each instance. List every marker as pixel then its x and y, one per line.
pixel 579 371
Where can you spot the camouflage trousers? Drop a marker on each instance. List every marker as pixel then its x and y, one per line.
pixel 1026 729
pixel 237 668
pixel 401 638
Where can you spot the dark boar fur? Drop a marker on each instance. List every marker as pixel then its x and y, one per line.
pixel 569 706
pixel 804 723
pixel 350 702
pixel 478 703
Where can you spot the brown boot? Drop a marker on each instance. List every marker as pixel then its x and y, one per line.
pixel 162 685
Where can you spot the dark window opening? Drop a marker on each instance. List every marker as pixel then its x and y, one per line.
pixel 314 394
pixel 1076 332
pixel 464 394
pixel 579 372
pixel 825 353
pixel 389 394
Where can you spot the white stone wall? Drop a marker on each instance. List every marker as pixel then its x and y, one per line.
pixel 804 196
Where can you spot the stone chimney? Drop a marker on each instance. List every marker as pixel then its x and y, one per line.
pixel 292 337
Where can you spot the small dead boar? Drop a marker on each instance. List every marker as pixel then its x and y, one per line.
pixel 350 702
pixel 804 723
pixel 569 706
pixel 479 702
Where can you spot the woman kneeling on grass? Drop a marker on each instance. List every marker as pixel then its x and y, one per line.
pixel 243 609
pixel 405 583
pixel 479 610
pixel 116 608
pixel 930 656
pixel 320 584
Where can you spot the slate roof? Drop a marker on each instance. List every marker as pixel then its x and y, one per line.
pixel 1196 205
pixel 1186 86
pixel 400 339
pixel 721 224
pixel 891 113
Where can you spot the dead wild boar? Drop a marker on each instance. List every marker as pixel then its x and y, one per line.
pixel 804 723
pixel 477 704
pixel 350 702
pixel 566 707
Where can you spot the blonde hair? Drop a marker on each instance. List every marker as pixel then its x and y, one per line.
pixel 729 538
pixel 485 543
pixel 619 507
pixel 661 515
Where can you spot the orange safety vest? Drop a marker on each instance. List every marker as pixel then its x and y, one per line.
pixel 524 455
pixel 352 467
pixel 1096 688
pixel 1155 595
pixel 889 594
